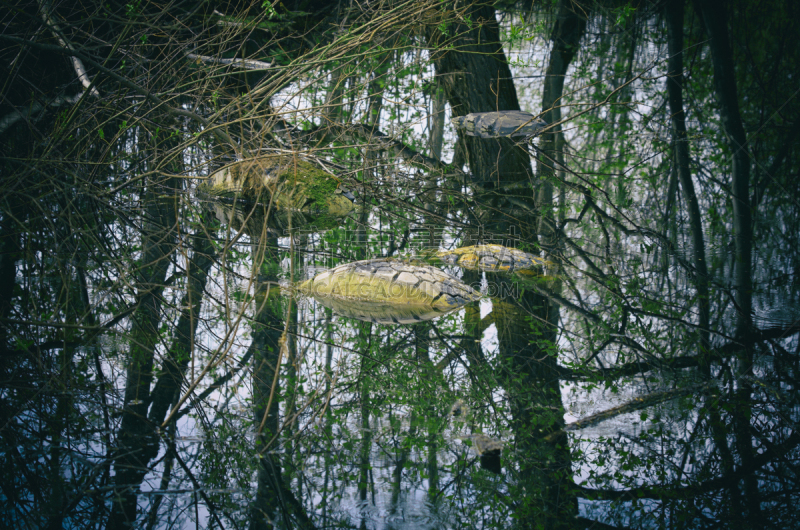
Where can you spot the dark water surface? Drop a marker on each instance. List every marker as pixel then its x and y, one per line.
pixel 496 414
pixel 585 326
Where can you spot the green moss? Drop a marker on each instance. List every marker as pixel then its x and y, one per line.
pixel 317 185
pixel 293 184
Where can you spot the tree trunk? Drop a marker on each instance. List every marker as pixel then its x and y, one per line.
pixel 674 16
pixel 165 392
pixel 566 35
pixel 137 442
pixel 267 330
pixel 476 78
pixel 715 20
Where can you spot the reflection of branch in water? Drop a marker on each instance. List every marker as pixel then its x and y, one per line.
pixel 632 406
pixel 676 363
pixel 689 491
pixel 77 64
pixel 30 111
pixel 248 64
pixel 197 486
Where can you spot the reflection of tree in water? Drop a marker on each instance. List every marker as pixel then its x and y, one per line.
pixel 156 374
pixel 273 497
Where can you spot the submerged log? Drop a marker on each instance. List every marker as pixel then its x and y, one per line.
pixel 388 291
pixel 491 258
pixel 488 449
pixel 286 185
pixel 505 123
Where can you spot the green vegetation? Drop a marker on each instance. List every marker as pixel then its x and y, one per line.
pixel 613 297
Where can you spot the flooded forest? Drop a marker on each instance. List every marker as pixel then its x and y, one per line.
pixel 399 264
